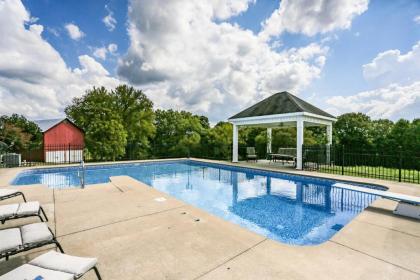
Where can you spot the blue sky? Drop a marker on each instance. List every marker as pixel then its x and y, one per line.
pixel 386 25
pixel 217 58
pixel 88 16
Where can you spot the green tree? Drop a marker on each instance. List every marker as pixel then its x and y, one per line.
pixel 204 122
pixel 315 135
pixel 282 138
pixel 106 138
pixel 19 133
pixel 96 113
pixel 178 133
pixel 217 142
pixel 413 137
pixel 136 112
pixel 353 130
pixel 399 136
pixel 380 131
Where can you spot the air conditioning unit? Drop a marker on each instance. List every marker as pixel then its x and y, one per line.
pixel 10 160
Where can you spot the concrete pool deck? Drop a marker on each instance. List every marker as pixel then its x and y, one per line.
pixel 137 235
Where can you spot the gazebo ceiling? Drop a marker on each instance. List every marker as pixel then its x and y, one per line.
pixel 280 103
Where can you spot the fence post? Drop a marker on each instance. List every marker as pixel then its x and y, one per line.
pixel 342 160
pixel 69 153
pixel 399 163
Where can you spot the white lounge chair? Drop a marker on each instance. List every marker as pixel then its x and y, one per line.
pixel 54 266
pixel 22 210
pixel 9 193
pixel 24 238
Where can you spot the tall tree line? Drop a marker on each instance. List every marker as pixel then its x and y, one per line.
pixel 122 124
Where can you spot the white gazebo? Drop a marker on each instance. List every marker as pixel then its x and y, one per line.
pixel 282 110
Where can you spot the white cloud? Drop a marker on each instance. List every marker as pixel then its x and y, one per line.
pixel 187 59
pixel 37 28
pixel 100 53
pixel 53 31
pixel 74 31
pixel 393 67
pixel 33 19
pixel 34 79
pixel 112 48
pixel 393 101
pixel 312 16
pixel 416 19
pixel 397 77
pixel 109 20
pixel 224 9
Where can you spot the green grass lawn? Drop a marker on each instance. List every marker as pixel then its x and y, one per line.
pixel 411 176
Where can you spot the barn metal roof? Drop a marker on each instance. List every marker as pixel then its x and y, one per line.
pixel 280 103
pixel 46 125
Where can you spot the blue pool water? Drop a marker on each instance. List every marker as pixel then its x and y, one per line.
pixel 292 209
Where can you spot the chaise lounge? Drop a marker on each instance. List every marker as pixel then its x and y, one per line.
pixel 251 154
pixel 9 193
pixel 22 210
pixel 25 238
pixel 284 154
pixel 54 266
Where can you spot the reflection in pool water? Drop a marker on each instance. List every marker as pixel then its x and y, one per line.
pixel 288 208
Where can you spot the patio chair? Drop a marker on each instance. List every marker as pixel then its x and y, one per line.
pixel 251 154
pixel 9 193
pixel 284 154
pixel 25 238
pixel 54 266
pixel 22 210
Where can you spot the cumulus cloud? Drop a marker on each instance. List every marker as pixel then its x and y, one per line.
pixel 224 9
pixel 109 20
pixel 392 66
pixel 53 31
pixel 112 48
pixel 393 101
pixel 34 79
pixel 102 52
pixel 74 31
pixel 187 58
pixel 397 77
pixel 416 19
pixel 312 16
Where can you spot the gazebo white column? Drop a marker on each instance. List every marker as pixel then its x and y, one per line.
pixel 235 143
pixel 269 134
pixel 299 143
pixel 329 142
pixel 329 134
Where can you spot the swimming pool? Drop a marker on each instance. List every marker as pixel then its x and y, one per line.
pixel 292 209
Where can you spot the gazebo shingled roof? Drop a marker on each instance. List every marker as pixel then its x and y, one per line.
pixel 280 103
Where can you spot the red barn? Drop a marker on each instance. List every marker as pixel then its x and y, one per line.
pixel 63 141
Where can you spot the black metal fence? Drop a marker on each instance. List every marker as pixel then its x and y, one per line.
pixel 47 155
pixel 397 165
pixel 67 154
